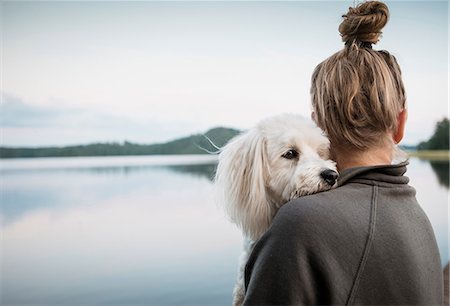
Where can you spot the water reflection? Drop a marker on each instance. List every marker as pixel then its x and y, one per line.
pixel 24 191
pixel 126 235
pixel 208 170
pixel 441 169
pixel 204 167
pixel 128 232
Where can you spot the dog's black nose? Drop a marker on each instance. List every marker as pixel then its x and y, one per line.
pixel 329 176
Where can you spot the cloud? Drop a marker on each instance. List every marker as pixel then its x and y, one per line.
pixel 27 124
pixel 16 113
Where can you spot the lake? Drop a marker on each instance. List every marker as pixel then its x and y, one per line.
pixel 136 230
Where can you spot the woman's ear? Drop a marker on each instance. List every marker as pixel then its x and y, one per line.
pixel 313 117
pixel 401 122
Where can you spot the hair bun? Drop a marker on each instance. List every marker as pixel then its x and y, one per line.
pixel 363 23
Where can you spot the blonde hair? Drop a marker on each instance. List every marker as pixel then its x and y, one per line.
pixel 358 93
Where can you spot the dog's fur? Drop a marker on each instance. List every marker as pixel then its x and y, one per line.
pixel 259 171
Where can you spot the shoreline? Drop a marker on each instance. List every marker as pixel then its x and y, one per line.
pixel 430 154
pixel 438 155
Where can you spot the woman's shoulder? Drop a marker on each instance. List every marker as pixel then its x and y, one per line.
pixel 345 208
pixel 345 197
pixel 319 223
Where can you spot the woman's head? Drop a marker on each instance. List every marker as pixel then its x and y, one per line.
pixel 358 93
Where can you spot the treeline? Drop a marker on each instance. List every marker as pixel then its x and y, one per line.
pixel 194 144
pixel 440 138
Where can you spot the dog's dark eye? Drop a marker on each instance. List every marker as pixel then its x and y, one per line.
pixel 290 154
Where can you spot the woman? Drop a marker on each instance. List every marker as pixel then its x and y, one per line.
pixel 367 241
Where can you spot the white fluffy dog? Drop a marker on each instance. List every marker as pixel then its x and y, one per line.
pixel 282 158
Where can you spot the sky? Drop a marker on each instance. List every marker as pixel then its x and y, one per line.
pixel 148 71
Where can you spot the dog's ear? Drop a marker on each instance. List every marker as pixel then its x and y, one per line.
pixel 241 178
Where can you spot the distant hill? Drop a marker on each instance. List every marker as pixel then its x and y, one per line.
pixel 186 145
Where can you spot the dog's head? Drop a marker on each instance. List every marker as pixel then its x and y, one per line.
pixel 282 158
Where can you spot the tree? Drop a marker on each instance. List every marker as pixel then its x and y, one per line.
pixel 440 138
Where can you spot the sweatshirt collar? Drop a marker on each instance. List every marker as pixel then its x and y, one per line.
pixel 385 173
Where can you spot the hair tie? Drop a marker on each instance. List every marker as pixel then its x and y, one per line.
pixel 365 44
pixel 361 44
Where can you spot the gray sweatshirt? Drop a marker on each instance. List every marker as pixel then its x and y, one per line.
pixel 367 242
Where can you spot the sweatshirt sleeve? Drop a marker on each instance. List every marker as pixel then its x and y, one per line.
pixel 284 267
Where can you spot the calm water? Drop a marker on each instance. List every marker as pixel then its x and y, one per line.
pixel 135 230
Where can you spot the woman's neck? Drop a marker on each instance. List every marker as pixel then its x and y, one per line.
pixel 371 157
